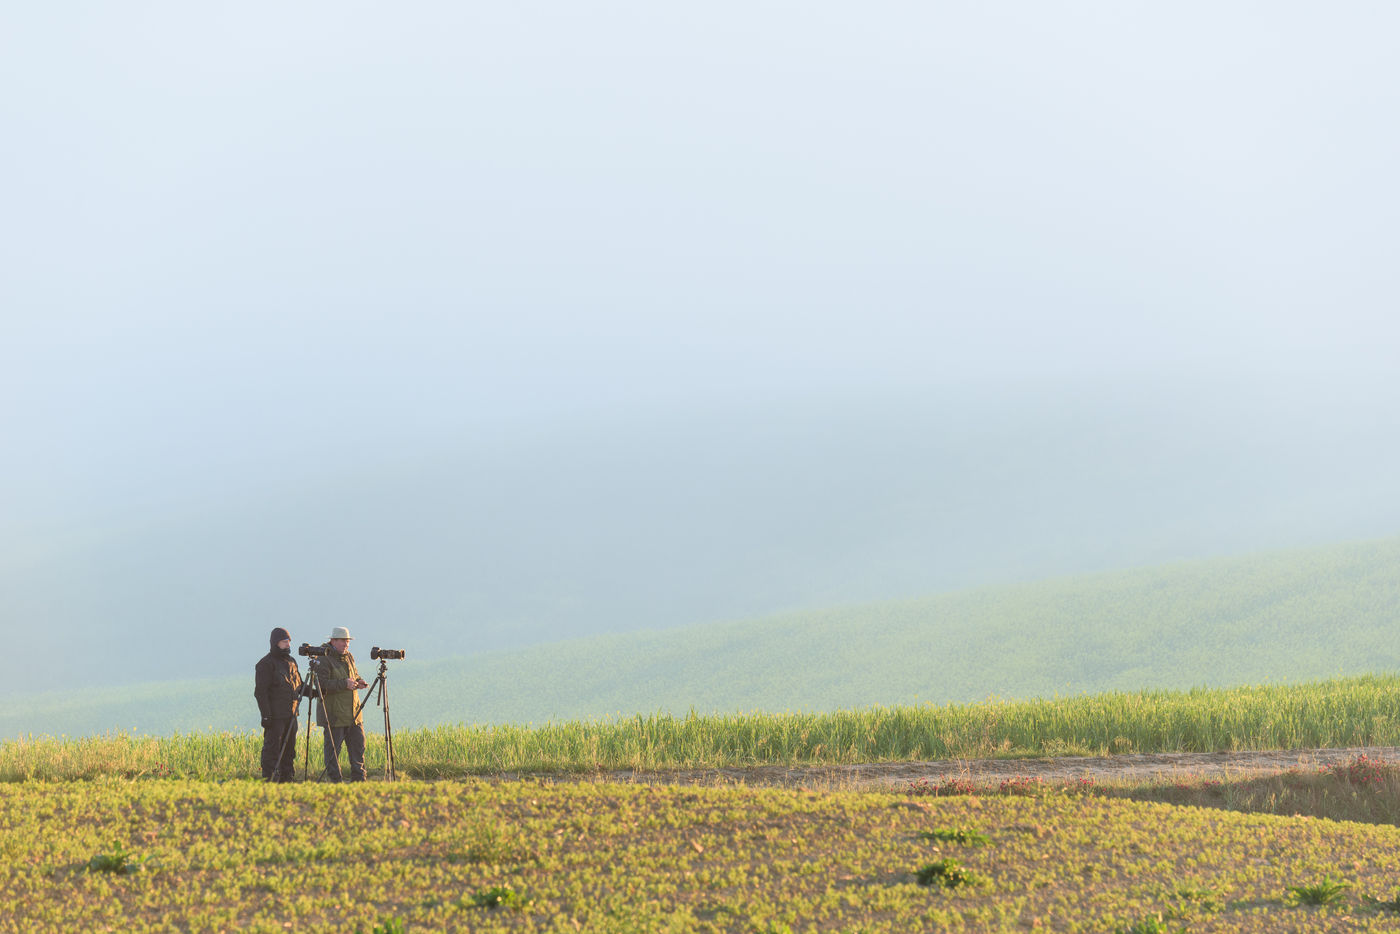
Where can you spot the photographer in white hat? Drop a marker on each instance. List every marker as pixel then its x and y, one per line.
pixel 339 712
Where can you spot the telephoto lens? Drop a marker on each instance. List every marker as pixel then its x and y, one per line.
pixel 306 649
pixel 377 653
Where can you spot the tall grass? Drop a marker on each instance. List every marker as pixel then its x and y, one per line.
pixel 1362 711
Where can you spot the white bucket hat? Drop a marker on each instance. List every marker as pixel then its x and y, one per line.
pixel 340 632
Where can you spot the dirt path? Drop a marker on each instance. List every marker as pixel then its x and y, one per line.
pixel 1128 768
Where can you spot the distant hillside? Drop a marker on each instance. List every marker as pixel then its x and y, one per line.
pixel 531 537
pixel 1275 617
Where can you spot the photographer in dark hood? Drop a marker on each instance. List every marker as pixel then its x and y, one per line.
pixel 277 685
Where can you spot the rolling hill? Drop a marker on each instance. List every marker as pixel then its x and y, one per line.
pixel 1272 617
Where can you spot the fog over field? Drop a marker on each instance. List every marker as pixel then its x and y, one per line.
pixel 476 327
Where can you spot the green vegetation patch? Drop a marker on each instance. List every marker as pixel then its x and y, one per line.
pixel 1343 713
pixel 1325 892
pixel 118 861
pixel 607 857
pixel 960 836
pixel 948 873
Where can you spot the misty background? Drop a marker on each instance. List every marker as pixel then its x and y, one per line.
pixel 473 327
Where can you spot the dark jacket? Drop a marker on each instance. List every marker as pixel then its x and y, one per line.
pixel 342 704
pixel 276 684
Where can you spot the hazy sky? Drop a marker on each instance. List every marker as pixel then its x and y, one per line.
pixel 253 243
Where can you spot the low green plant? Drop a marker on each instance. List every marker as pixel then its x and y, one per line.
pixel 487 844
pixel 500 896
pixel 964 837
pixel 118 862
pixel 1319 893
pixel 948 873
pixel 1205 897
pixel 1152 924
pixel 1379 904
pixel 389 926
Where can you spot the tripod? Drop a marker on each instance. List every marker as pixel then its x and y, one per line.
pixel 311 682
pixel 381 684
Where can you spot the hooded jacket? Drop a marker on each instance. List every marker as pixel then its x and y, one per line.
pixel 277 681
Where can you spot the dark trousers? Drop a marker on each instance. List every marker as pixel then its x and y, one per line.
pixel 274 748
pixel 354 739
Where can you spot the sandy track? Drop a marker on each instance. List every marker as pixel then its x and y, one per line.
pixel 1125 768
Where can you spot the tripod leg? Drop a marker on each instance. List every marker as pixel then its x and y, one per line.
pixel 388 734
pixel 306 765
pixel 368 694
pixel 321 697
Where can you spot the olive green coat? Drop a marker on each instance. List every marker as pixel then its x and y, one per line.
pixel 341 704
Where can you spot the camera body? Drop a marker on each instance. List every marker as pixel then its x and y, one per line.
pixel 307 650
pixel 378 653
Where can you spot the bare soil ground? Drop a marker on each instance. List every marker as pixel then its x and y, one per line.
pixel 1124 769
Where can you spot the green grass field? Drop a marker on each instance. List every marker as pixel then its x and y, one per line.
pixel 1363 711
pixel 169 834
pixel 532 856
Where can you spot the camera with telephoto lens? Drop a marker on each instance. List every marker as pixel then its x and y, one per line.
pixel 377 653
pixel 306 649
